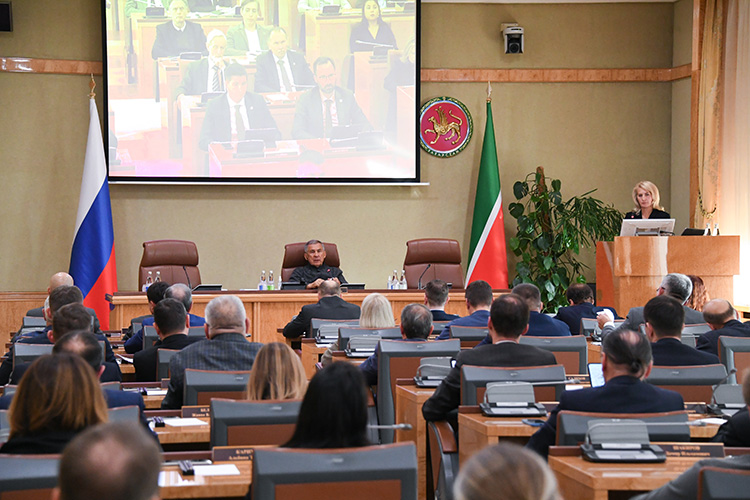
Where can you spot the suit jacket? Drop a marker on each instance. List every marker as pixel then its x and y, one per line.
pixel 572 315
pixel 672 352
pixel 735 431
pixel 447 396
pixel 145 361
pixel 709 341
pixel 237 44
pixel 541 325
pixel 440 315
pixel 217 126
pixel 267 75
pixel 635 319
pixel 135 343
pixel 308 116
pixel 170 42
pixel 330 307
pixel 195 81
pixel 361 33
pixel 111 373
pixel 478 318
pixel 655 214
pixel 41 443
pixel 38 312
pixel 622 394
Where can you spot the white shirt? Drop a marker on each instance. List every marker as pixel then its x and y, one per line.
pixel 253 42
pixel 288 70
pixel 211 72
pixel 233 113
pixel 179 29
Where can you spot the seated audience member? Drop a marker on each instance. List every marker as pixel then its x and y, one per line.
pixel 581 300
pixel 509 319
pixel 377 312
pixel 277 374
pixel 279 69
pixel 248 38
pixel 723 319
pixel 132 464
pixel 224 349
pixel 416 326
pixel 478 301
pixel 57 398
pixel 305 5
pixel 154 294
pixel 230 116
pixel 436 295
pixel 327 106
pixel 182 292
pixel 626 362
pixel 540 325
pixel 316 271
pixel 330 305
pixel 699 297
pixel 505 471
pixel 206 74
pixel 178 35
pixel 736 431
pixel 60 279
pixel 171 323
pixel 675 285
pixel 371 32
pixel 664 318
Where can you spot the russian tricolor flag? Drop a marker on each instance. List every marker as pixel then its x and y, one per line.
pixel 92 260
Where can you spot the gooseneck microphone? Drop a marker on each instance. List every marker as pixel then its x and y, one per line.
pixel 188 277
pixel 419 282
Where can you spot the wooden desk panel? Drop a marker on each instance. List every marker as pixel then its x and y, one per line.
pixel 193 434
pixel 175 485
pixel 13 307
pixel 311 353
pixel 408 406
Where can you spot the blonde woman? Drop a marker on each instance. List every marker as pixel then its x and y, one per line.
pixel 646 199
pixel 277 373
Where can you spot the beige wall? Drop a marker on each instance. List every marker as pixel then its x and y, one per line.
pixel 604 136
pixel 680 168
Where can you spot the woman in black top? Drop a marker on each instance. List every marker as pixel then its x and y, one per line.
pixel 646 199
pixel 372 31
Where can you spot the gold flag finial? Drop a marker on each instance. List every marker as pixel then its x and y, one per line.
pixel 489 91
pixel 92 86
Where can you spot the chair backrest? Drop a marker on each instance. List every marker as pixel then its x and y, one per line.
pixel 443 254
pixel 32 474
pixel 150 337
pixel 401 359
pixel 697 329
pixel 345 333
pixel 203 385
pixel 176 261
pixel 469 335
pixel 571 352
pixel 26 353
pixel 384 472
pixel 124 414
pixel 719 483
pixel 317 323
pixel 572 426
pixel 442 460
pixel 729 394
pixel 734 352
pixel 34 322
pixel 4 426
pixel 474 380
pixel 10 390
pixel 236 423
pixel 162 362
pixel 294 257
pixel 115 385
pixel 693 382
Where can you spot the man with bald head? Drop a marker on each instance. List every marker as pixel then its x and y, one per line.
pixel 57 280
pixel 225 347
pixel 723 320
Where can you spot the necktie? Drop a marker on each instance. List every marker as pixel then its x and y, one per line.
pixel 218 84
pixel 285 76
pixel 328 117
pixel 240 123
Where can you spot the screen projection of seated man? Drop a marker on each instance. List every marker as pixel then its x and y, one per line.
pixel 257 90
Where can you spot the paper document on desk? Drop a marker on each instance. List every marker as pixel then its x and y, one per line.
pixel 183 422
pixel 711 421
pixel 156 392
pixel 216 470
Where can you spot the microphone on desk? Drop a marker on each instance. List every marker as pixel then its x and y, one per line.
pixel 419 282
pixel 625 422
pixel 395 427
pixel 188 277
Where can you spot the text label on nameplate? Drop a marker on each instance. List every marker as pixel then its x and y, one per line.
pixel 232 453
pixel 196 412
pixel 690 450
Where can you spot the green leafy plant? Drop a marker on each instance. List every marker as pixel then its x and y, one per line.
pixel 551 233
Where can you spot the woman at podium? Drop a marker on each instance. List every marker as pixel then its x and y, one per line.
pixel 646 199
pixel 372 32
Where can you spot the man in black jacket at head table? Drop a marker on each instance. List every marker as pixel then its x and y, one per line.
pixel 316 271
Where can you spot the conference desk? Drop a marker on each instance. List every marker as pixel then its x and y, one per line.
pixel 197 435
pixel 175 485
pixel 408 407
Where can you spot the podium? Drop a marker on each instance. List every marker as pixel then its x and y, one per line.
pixel 630 268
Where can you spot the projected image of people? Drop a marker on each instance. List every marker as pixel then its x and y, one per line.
pixel 261 90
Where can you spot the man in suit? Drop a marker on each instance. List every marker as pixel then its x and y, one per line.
pixel 626 362
pixel 581 300
pixel 330 305
pixel 736 431
pixel 154 294
pixel 664 318
pixel 279 69
pixel 509 319
pixel 207 74
pixel 171 322
pixel 723 319
pixel 178 35
pixel 316 271
pixel 225 347
pixel 60 279
pixel 326 106
pixel 436 295
pixel 675 285
pixel 478 297
pixel 228 117
pixel 248 38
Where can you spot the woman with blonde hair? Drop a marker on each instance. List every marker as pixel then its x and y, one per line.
pixel 646 199
pixel 699 297
pixel 59 396
pixel 277 373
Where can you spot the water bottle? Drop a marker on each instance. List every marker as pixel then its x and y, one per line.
pixel 707 231
pixel 271 284
pixel 716 229
pixel 402 281
pixel 389 286
pixel 262 283
pixel 158 276
pixel 149 281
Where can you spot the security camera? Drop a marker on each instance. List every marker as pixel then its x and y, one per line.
pixel 513 35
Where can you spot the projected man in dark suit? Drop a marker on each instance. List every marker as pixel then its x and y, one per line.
pixel 178 35
pixel 228 117
pixel 207 74
pixel 280 69
pixel 321 109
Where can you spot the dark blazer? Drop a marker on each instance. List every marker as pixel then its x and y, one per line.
pixel 440 315
pixel 736 430
pixel 447 396
pixel 43 443
pixel 479 318
pixel 709 341
pixel 619 395
pixel 169 42
pixel 635 319
pixel 267 75
pixel 541 325
pixel 217 126
pixel 145 360
pixel 308 116
pixel 655 214
pixel 571 315
pixel 111 373
pixel 361 33
pixel 672 352
pixel 195 80
pixel 237 39
pixel 331 307
pixel 38 312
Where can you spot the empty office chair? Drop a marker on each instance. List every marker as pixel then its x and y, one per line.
pixel 237 423
pixel 442 460
pixel 474 380
pixel 26 353
pixel 571 352
pixel 469 336
pixel 124 414
pixel 28 476
pixel 294 257
pixel 202 385
pixel 384 472
pixel 176 261
pixel 693 382
pixel 734 353
pixel 162 362
pixel 444 256
pixel 572 426
pixel 718 483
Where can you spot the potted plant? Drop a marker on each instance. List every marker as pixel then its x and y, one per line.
pixel 551 233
